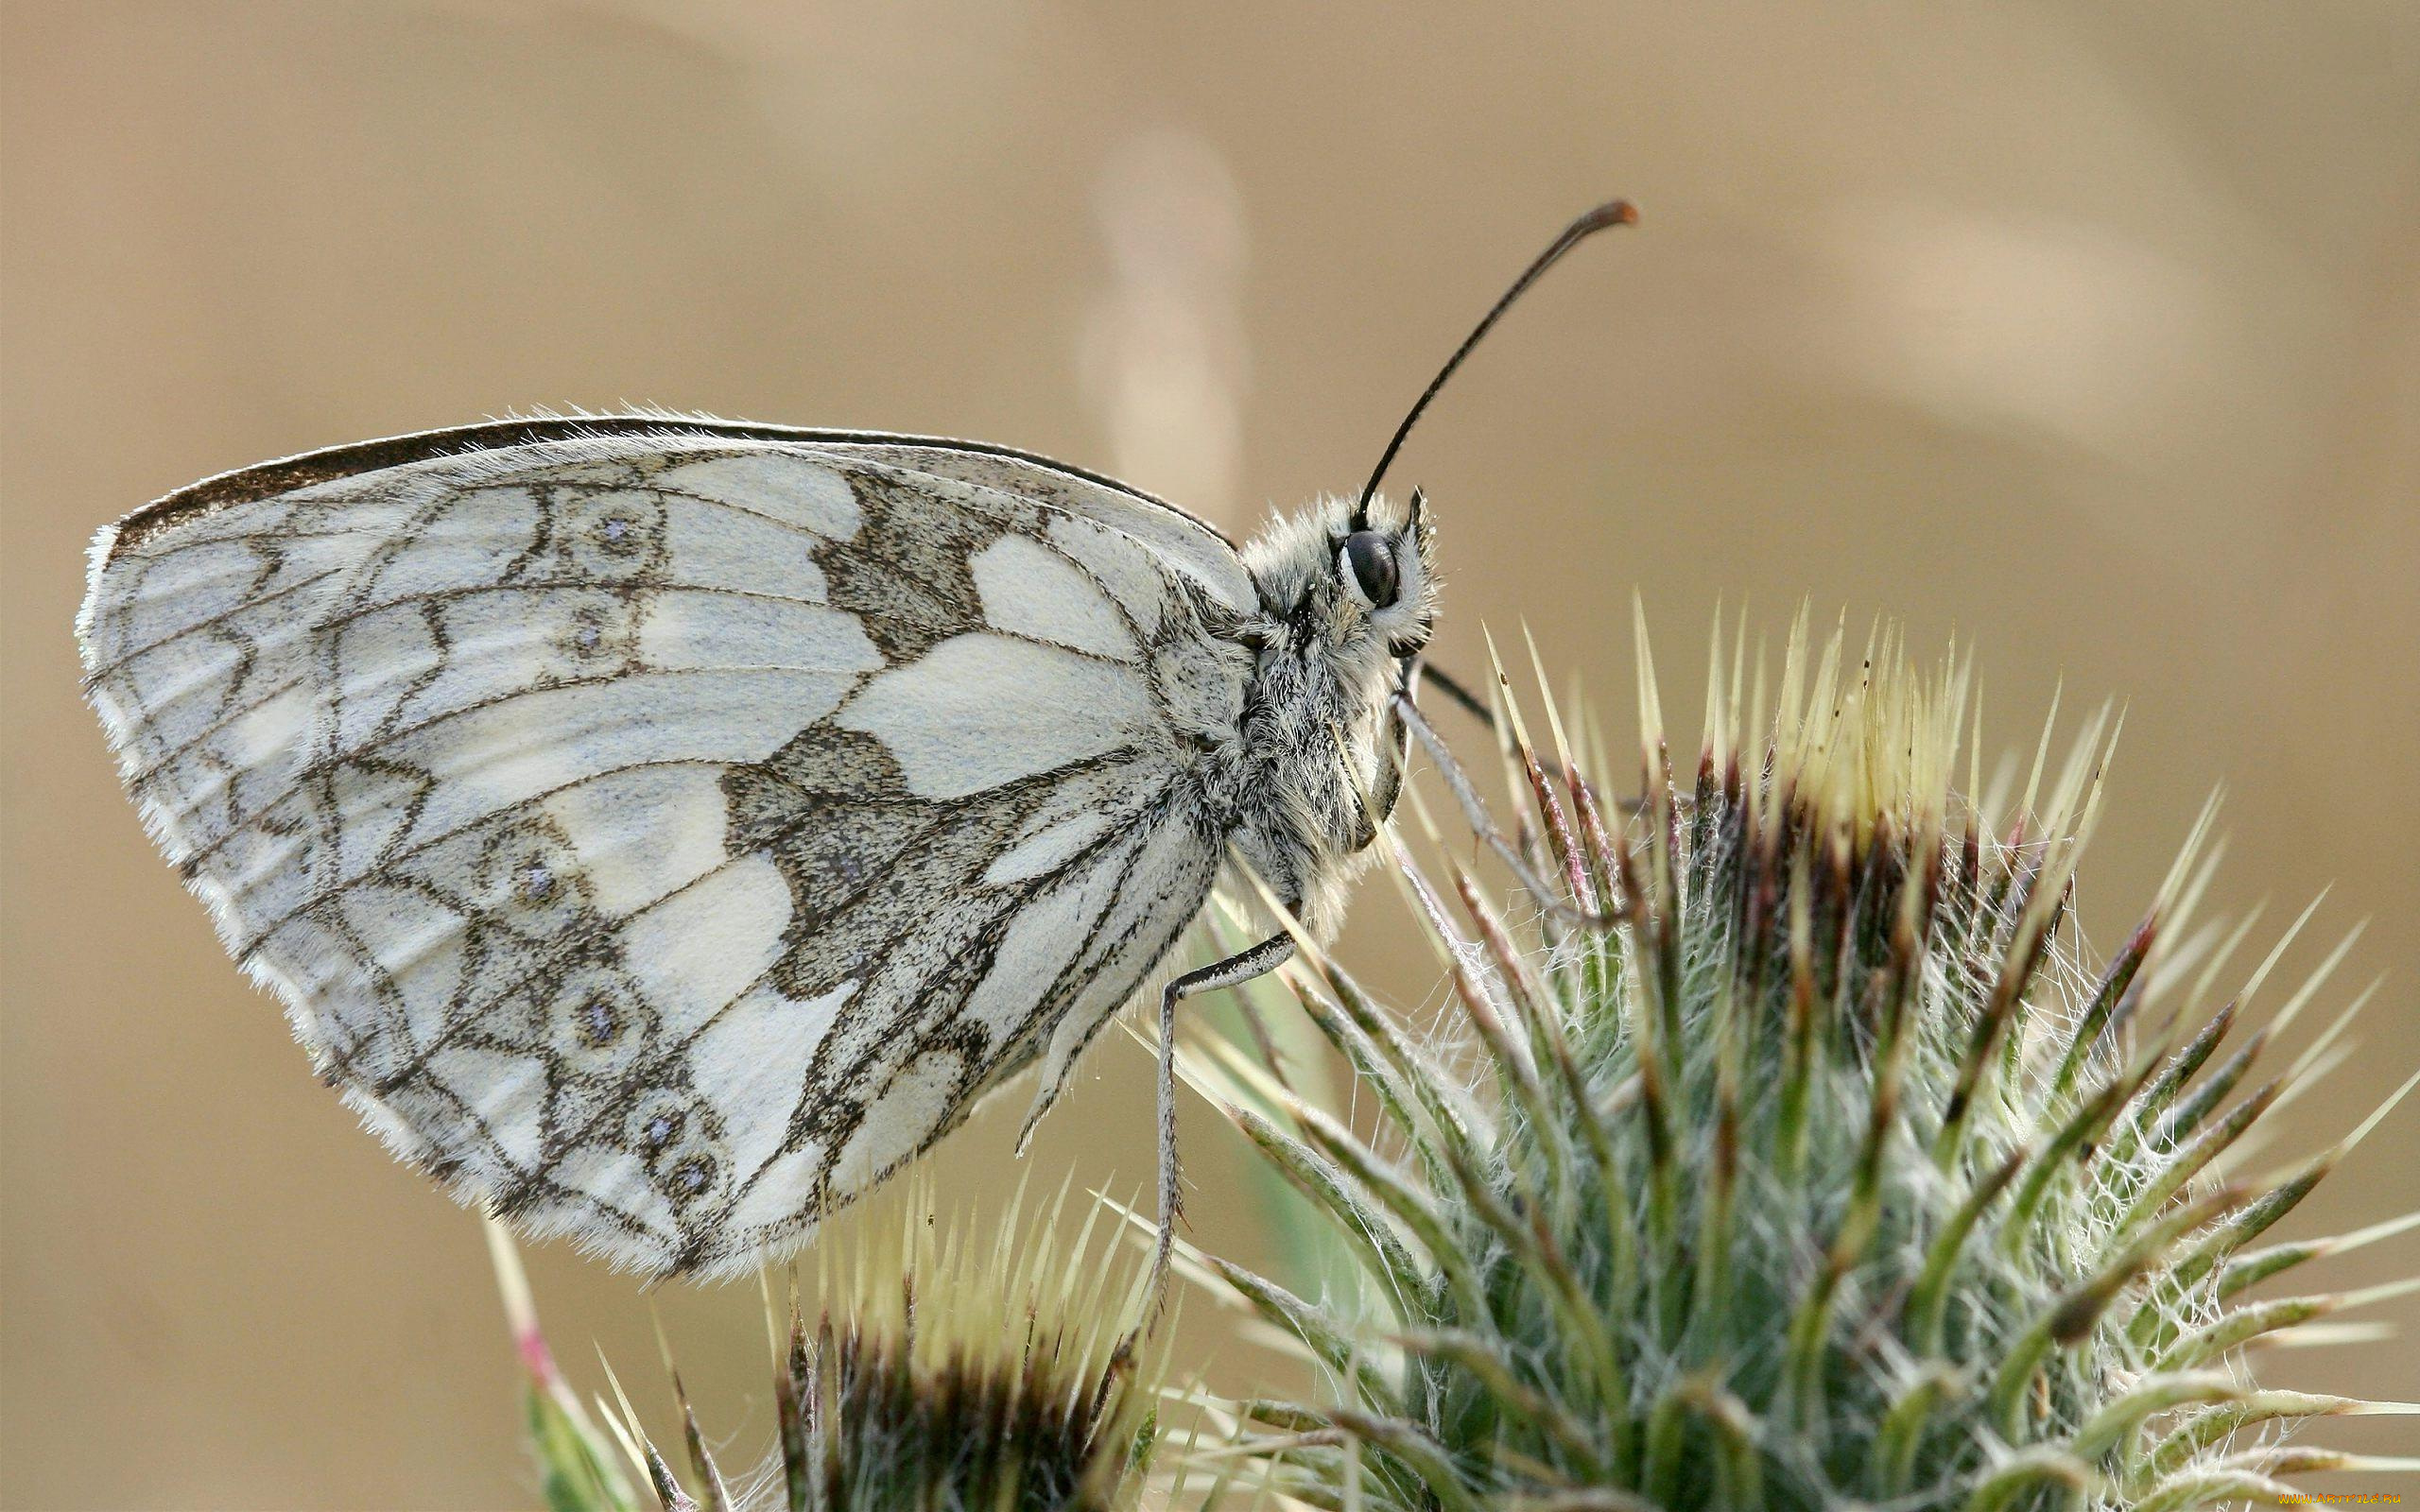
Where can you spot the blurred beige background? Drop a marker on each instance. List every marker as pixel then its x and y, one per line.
pixel 2091 331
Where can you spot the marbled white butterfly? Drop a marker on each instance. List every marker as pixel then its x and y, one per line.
pixel 660 829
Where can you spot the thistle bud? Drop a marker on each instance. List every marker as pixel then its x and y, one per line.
pixel 1805 1163
pixel 1003 1371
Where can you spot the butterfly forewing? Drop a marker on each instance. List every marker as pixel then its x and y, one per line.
pixel 661 835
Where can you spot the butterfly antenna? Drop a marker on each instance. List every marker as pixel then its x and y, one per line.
pixel 1613 212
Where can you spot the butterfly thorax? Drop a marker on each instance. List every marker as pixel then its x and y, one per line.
pixel 1310 762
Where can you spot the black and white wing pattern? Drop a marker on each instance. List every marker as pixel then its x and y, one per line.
pixel 661 830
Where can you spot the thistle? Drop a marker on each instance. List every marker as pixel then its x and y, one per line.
pixel 1791 1156
pixel 944 1375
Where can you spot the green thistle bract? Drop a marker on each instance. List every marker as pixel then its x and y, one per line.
pixel 1804 1164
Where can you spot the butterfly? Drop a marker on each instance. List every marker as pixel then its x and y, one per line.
pixel 660 827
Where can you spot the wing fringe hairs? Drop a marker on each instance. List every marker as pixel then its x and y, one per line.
pixel 1834 1171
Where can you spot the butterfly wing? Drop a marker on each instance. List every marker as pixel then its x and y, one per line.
pixel 661 829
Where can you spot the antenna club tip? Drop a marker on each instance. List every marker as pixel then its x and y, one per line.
pixel 1611 213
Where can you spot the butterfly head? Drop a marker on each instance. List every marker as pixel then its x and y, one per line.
pixel 1356 586
pixel 1386 569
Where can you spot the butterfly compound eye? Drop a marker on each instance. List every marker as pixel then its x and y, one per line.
pixel 1373 565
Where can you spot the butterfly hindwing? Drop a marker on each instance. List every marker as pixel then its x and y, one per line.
pixel 663 834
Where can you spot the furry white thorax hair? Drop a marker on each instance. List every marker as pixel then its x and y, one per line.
pixel 1311 774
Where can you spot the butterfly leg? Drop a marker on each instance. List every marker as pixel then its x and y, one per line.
pixel 1258 961
pixel 1397 743
pixel 1458 693
pixel 1458 782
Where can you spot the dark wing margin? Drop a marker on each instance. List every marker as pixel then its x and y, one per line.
pixel 265 480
